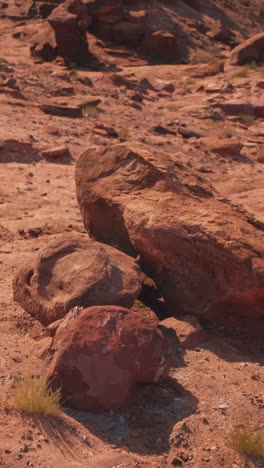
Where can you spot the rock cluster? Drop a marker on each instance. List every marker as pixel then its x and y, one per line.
pixel 201 251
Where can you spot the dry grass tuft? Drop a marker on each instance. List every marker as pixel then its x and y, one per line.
pixel 247 441
pixel 124 133
pixel 89 110
pixel 33 395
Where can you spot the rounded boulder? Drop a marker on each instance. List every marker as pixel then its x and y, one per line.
pixel 101 353
pixel 75 271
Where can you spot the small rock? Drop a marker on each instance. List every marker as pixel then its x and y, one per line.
pixel 56 153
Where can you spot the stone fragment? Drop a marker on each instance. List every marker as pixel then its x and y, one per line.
pixel 186 332
pixel 57 153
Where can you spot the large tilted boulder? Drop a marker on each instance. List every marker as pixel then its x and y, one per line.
pixel 101 353
pixel 201 250
pixel 69 22
pixel 74 270
pixel 252 50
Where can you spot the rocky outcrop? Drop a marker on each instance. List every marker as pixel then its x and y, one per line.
pixel 101 353
pixel 197 246
pixel 249 51
pixel 161 45
pixel 44 44
pixel 69 22
pixel 74 271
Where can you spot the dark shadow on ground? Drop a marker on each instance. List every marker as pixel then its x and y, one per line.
pixel 61 433
pixel 237 339
pixel 146 425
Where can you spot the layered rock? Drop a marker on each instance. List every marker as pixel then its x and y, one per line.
pixel 74 271
pixel 100 355
pixel 201 250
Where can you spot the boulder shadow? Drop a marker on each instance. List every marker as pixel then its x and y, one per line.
pixel 145 426
pixel 59 431
pixel 12 150
pixel 237 339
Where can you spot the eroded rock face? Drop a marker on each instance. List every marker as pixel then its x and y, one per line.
pixel 75 271
pixel 248 51
pixel 101 353
pixel 69 22
pixel 161 45
pixel 197 246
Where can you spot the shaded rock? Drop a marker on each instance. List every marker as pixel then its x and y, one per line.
pixel 161 45
pixel 101 353
pixel 188 132
pixel 163 130
pixel 128 33
pixel 70 21
pixel 195 245
pixel 44 44
pixel 120 80
pixel 75 271
pixel 250 50
pixel 57 153
pixel 222 33
pixel 61 111
pixel 186 332
pixel 210 69
pixel 236 107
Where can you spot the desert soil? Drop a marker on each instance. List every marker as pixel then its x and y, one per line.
pixel 185 420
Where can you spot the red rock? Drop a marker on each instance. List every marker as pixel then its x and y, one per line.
pixel 44 44
pixel 69 22
pixel 225 147
pixel 210 69
pixel 58 152
pixel 74 271
pixel 101 353
pixel 195 245
pixel 186 332
pixel 161 45
pixel 250 50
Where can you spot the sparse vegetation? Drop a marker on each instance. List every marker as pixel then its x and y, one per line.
pixel 206 148
pixel 74 75
pixel 89 110
pixel 247 118
pixel 246 440
pixel 33 395
pixel 124 133
pixel 241 73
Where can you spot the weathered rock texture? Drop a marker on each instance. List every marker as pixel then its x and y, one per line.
pixel 249 51
pixel 70 21
pixel 101 353
pixel 75 271
pixel 197 246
